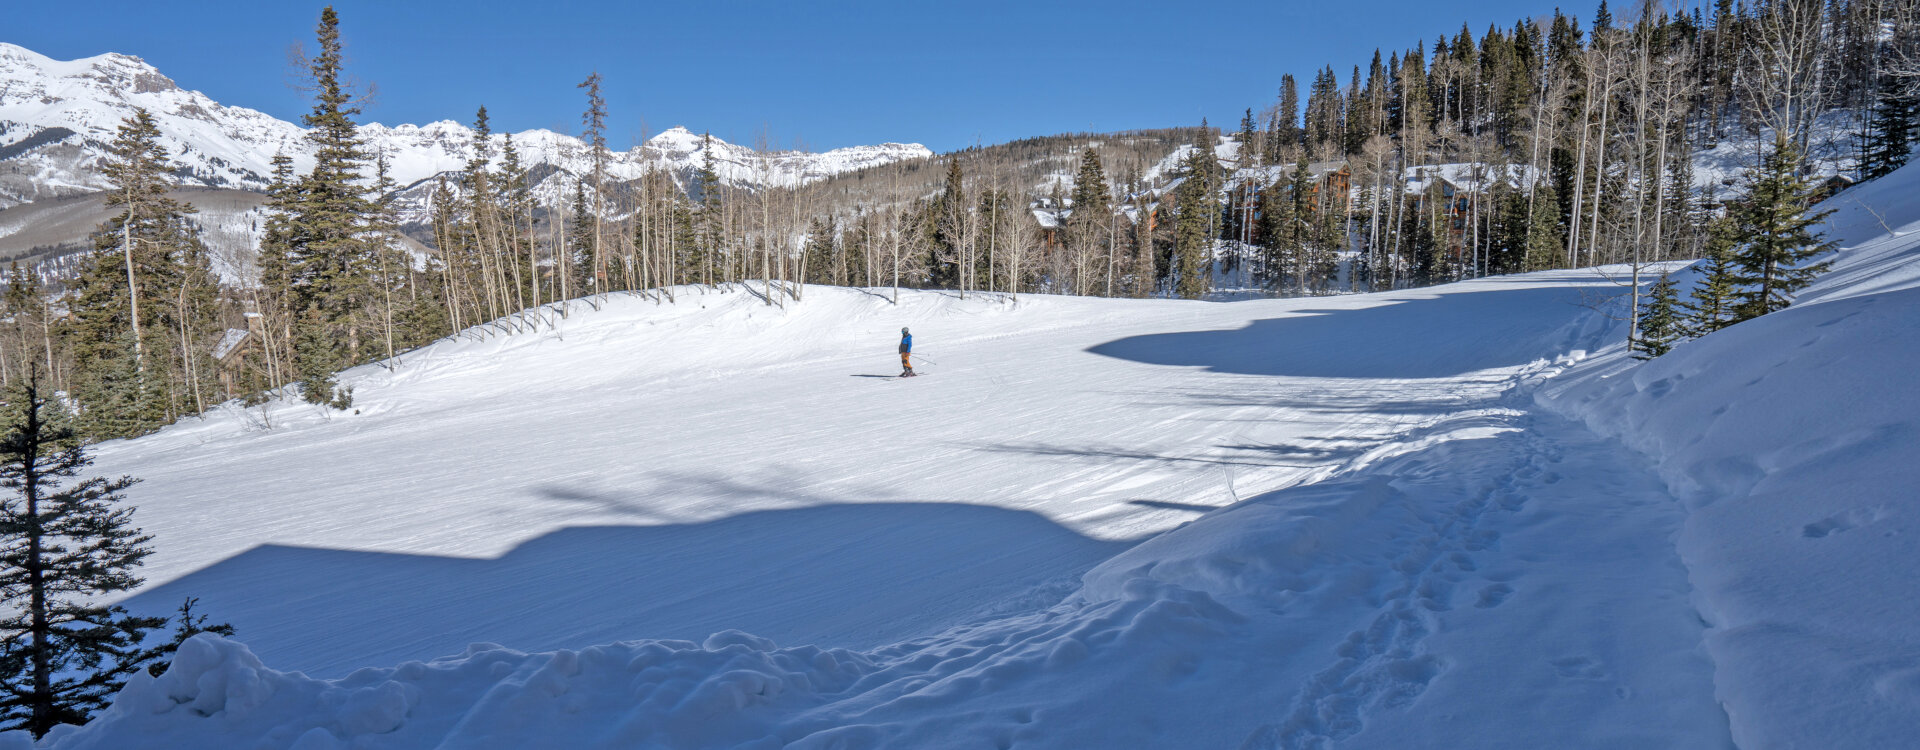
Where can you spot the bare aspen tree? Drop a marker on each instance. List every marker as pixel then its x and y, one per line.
pixel 1785 84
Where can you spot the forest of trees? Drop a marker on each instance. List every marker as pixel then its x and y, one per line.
pixel 1545 144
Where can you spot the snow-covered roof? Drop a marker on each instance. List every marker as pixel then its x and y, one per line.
pixel 1469 176
pixel 229 342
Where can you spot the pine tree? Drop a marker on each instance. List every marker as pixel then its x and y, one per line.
pixel 708 245
pixel 822 252
pixel 1660 323
pixel 143 298
pixel 1889 136
pixel 1198 207
pixel 580 251
pixel 187 626
pixel 942 229
pixel 331 261
pixel 1773 234
pixel 1544 240
pixel 1285 132
pixel 1711 308
pixel 66 545
pixel 595 121
pixel 1088 225
pixel 1249 140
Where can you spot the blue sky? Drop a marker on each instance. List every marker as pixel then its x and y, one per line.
pixel 817 75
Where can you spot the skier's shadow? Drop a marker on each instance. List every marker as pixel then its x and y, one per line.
pixel 877 376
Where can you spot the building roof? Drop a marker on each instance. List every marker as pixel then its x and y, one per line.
pixel 1469 176
pixel 229 343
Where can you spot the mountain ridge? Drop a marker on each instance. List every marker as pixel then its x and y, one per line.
pixel 229 146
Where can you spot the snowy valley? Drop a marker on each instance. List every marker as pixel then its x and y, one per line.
pixel 1452 517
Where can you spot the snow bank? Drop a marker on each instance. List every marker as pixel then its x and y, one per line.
pixel 653 694
pixel 1791 439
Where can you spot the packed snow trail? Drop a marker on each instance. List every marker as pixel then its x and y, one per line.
pixel 676 470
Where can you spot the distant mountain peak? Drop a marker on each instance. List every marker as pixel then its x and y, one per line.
pixel 225 146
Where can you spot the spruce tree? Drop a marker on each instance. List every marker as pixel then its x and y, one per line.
pixel 1285 131
pixel 708 246
pixel 1774 237
pixel 580 239
pixel 1091 220
pixel 821 252
pixel 1198 207
pixel 187 626
pixel 1249 140
pixel 1660 323
pixel 1544 241
pixel 943 229
pixel 331 260
pixel 65 545
pixel 1711 308
pixel 1889 136
pixel 143 299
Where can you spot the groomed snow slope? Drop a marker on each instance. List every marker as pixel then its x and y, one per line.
pixel 1335 522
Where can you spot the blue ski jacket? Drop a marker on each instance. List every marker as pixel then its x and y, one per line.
pixel 906 343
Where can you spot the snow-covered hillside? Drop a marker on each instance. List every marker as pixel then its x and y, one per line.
pixel 57 116
pixel 1451 517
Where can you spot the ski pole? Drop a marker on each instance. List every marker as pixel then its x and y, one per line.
pixel 924 359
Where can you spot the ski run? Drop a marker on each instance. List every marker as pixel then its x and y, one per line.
pixel 1450 517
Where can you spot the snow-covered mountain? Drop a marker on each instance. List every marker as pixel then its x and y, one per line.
pixel 56 118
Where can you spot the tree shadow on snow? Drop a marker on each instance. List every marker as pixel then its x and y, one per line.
pixel 1441 336
pixel 853 575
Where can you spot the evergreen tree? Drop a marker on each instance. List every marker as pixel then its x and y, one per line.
pixel 1198 207
pixel 1249 140
pixel 66 544
pixel 595 122
pixel 580 239
pixel 187 626
pixel 822 253
pixel 1660 323
pixel 943 225
pixel 1774 237
pixel 1711 308
pixel 1889 136
pixel 1544 237
pixel 331 260
pixel 1285 132
pixel 143 298
pixel 1088 225
pixel 711 230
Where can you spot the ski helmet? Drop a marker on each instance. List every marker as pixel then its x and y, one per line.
pixel 903 330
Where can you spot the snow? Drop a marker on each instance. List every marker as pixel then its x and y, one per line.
pixel 228 342
pixel 1789 439
pixel 1449 517
pixel 225 146
pixel 1468 176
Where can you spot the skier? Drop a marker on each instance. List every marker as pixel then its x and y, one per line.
pixel 906 353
